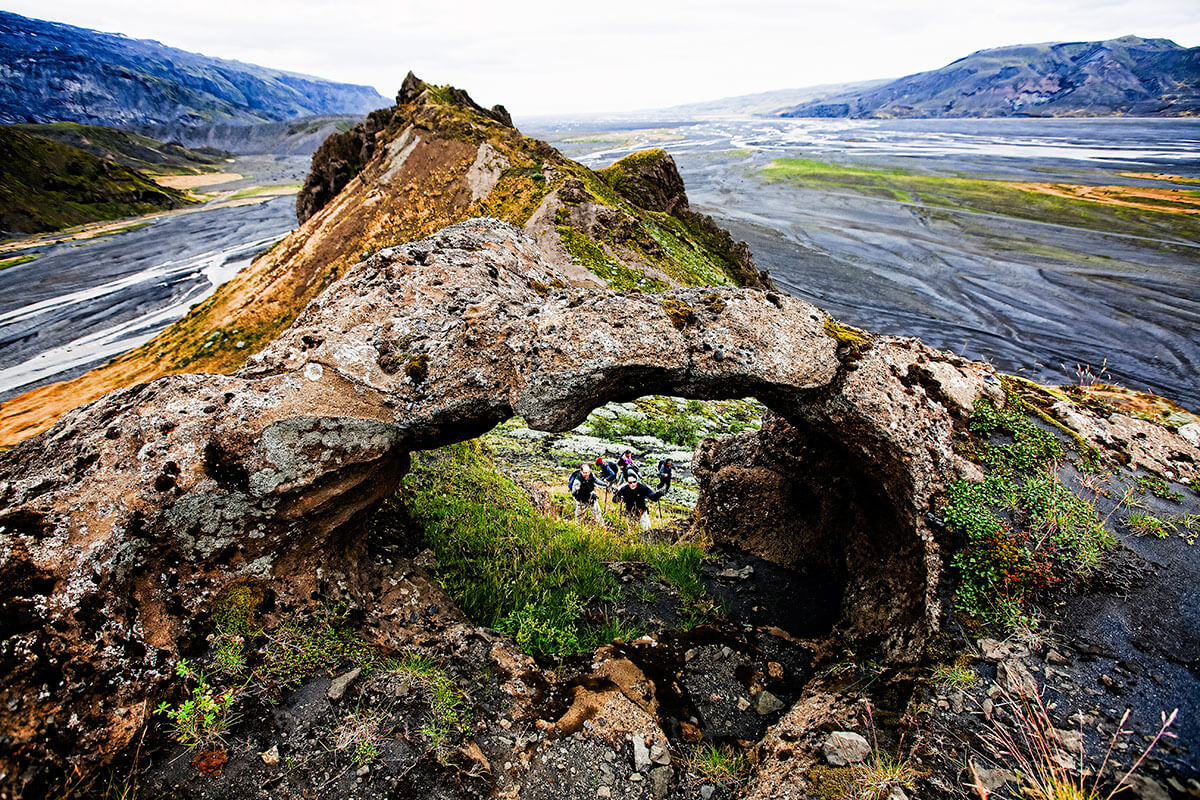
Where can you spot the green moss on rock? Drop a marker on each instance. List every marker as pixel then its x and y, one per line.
pixel 855 341
pixel 681 313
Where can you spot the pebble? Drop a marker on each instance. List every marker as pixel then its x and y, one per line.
pixel 845 747
pixel 1056 658
pixel 641 754
pixel 339 685
pixel 270 757
pixel 768 703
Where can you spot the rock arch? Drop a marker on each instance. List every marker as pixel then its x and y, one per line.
pixel 138 508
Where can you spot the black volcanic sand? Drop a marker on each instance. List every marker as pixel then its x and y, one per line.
pixel 1033 298
pixel 171 253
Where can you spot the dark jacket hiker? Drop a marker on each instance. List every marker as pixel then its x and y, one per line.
pixel 634 496
pixel 582 486
pixel 665 469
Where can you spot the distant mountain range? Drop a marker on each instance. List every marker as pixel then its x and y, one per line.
pixel 55 72
pixel 1125 76
pixel 769 103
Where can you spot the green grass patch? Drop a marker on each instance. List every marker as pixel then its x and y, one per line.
pixel 722 765
pixel 17 261
pixel 513 569
pixel 957 676
pixel 617 274
pixel 679 429
pixel 1024 531
pixel 258 191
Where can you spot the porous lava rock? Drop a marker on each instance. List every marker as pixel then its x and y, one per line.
pixel 120 525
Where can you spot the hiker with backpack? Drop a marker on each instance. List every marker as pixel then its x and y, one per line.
pixel 608 471
pixel 665 469
pixel 634 496
pixel 582 486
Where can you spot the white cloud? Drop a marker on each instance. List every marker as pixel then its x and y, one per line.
pixel 539 56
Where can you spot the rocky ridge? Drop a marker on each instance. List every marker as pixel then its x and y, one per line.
pixel 435 159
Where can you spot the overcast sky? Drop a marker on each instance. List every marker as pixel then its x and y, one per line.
pixel 558 56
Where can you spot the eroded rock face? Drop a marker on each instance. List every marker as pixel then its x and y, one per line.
pixel 121 523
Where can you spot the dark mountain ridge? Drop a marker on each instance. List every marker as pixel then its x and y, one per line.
pixel 1126 76
pixel 57 72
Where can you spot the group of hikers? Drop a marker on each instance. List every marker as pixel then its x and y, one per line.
pixel 632 494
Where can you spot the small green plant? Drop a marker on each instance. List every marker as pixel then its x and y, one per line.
pixel 313 644
pixel 721 765
pixel 1185 525
pixel 1157 487
pixel 876 779
pixel 205 715
pixel 1147 524
pixel 229 656
pixel 448 704
pixel 360 734
pixel 957 676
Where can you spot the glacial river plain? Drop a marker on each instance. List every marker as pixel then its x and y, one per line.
pixel 1057 249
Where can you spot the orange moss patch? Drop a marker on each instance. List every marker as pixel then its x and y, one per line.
pixel 1170 201
pixel 1142 405
pixel 1160 176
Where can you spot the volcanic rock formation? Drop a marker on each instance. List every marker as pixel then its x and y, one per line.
pixel 123 522
pixel 131 513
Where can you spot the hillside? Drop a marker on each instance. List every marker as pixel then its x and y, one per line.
pixel 46 185
pixel 129 149
pixel 1125 76
pixel 57 72
pixel 434 159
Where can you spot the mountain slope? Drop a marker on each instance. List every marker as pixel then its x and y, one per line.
pixel 1125 76
pixel 128 149
pixel 46 185
pixel 434 159
pixel 57 72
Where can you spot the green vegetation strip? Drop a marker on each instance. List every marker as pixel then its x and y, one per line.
pixel 513 569
pixel 1007 198
pixel 17 261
